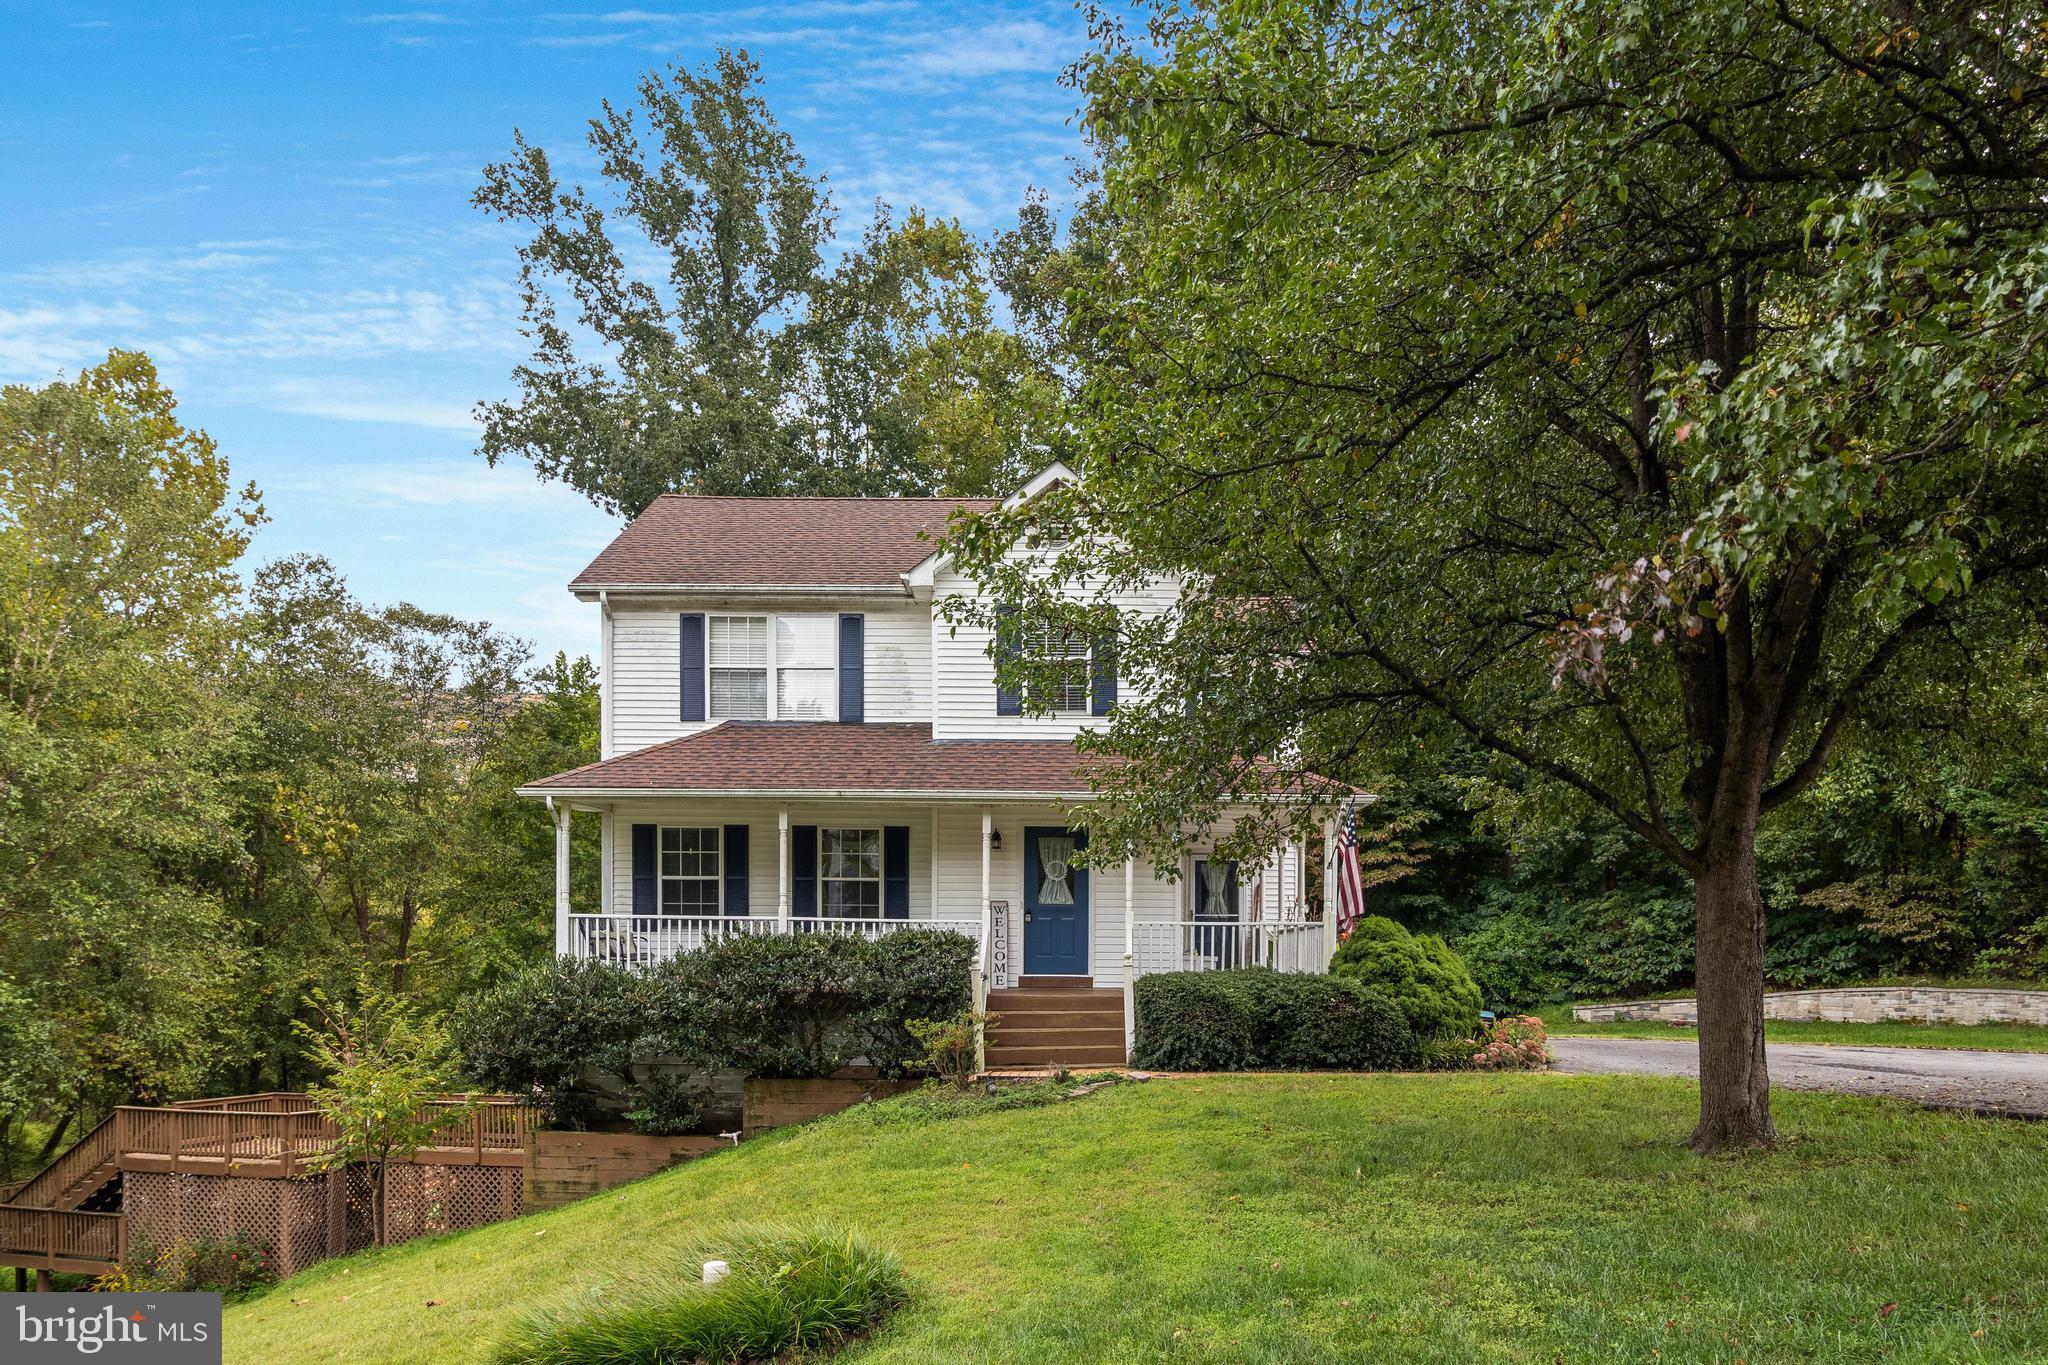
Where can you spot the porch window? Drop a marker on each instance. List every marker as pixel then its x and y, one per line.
pixel 738 660
pixel 689 871
pixel 1063 656
pixel 850 866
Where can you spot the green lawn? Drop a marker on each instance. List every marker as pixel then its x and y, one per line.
pixel 1557 1019
pixel 1522 1218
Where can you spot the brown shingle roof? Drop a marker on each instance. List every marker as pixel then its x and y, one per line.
pixel 824 756
pixel 687 540
pixel 886 759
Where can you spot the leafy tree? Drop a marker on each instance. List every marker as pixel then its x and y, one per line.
pixel 1649 395
pixel 747 364
pixel 386 1069
pixel 372 723
pixel 494 882
pixel 119 530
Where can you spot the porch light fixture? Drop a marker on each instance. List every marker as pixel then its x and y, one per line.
pixel 995 840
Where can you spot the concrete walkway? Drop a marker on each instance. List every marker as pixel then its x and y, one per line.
pixel 2014 1083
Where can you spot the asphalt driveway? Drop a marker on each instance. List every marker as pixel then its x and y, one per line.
pixel 2014 1083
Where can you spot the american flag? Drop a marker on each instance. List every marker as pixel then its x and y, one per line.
pixel 1350 881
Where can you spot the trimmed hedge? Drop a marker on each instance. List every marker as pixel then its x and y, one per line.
pixel 804 1005
pixel 1427 982
pixel 1251 1018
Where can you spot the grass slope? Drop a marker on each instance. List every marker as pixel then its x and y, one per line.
pixel 1558 1021
pixel 1510 1218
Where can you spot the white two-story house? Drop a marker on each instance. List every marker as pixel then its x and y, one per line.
pixel 795 740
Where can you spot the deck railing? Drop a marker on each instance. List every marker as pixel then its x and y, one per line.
pixel 1284 945
pixel 644 940
pixel 59 1239
pixel 287 1141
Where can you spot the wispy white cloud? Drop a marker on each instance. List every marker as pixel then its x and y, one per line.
pixel 40 340
pixel 411 16
pixel 344 399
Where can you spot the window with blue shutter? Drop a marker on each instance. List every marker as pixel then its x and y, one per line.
pixel 852 666
pixel 692 665
pixel 803 871
pixel 645 877
pixel 736 840
pixel 1009 646
pixel 896 872
pixel 1102 694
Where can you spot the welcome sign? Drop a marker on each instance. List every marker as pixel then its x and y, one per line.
pixel 166 1329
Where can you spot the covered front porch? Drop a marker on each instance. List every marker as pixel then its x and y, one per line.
pixel 751 828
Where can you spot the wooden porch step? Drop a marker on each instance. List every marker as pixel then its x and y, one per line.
pixel 1093 1036
pixel 1036 1056
pixel 1010 1021
pixel 1104 998
pixel 1062 983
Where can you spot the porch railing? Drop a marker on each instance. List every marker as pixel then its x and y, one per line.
pixel 644 940
pixel 283 1142
pixel 1288 945
pixel 60 1239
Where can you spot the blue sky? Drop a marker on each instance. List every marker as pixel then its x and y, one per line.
pixel 272 199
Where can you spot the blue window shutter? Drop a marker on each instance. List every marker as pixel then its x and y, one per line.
pixel 895 872
pixel 1009 701
pixel 852 666
pixel 692 663
pixel 646 898
pixel 803 871
pixel 735 869
pixel 1102 694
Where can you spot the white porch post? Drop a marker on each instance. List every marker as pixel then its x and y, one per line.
pixel 561 813
pixel 1329 946
pixel 979 981
pixel 782 868
pixel 1130 955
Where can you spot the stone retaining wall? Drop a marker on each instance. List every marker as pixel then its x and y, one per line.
pixel 1851 1005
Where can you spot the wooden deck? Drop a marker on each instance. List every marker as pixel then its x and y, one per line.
pixel 274 1136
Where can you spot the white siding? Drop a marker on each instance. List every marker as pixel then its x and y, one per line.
pixel 964 677
pixel 644 689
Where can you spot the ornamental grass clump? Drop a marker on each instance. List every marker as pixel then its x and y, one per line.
pixel 787 1291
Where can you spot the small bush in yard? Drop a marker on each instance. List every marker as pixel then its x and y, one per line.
pixel 949 1048
pixel 787 1293
pixel 233 1267
pixel 1251 1018
pixel 1426 981
pixel 1516 1043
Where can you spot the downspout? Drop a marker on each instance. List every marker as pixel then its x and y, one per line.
pixel 1130 959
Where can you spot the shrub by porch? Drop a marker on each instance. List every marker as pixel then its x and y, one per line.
pixel 795 1007
pixel 1256 1019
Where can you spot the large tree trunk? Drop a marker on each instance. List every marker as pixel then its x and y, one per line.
pixel 1735 1085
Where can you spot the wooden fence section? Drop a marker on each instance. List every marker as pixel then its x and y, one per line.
pixel 60 1239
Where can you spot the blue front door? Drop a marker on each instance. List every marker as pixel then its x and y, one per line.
pixel 1055 902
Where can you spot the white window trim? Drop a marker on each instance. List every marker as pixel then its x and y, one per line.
pixel 774 666
pixel 661 877
pixel 880 879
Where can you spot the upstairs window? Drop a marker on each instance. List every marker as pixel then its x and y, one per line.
pixel 772 667
pixel 738 660
pixel 1063 659
pixel 805 675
